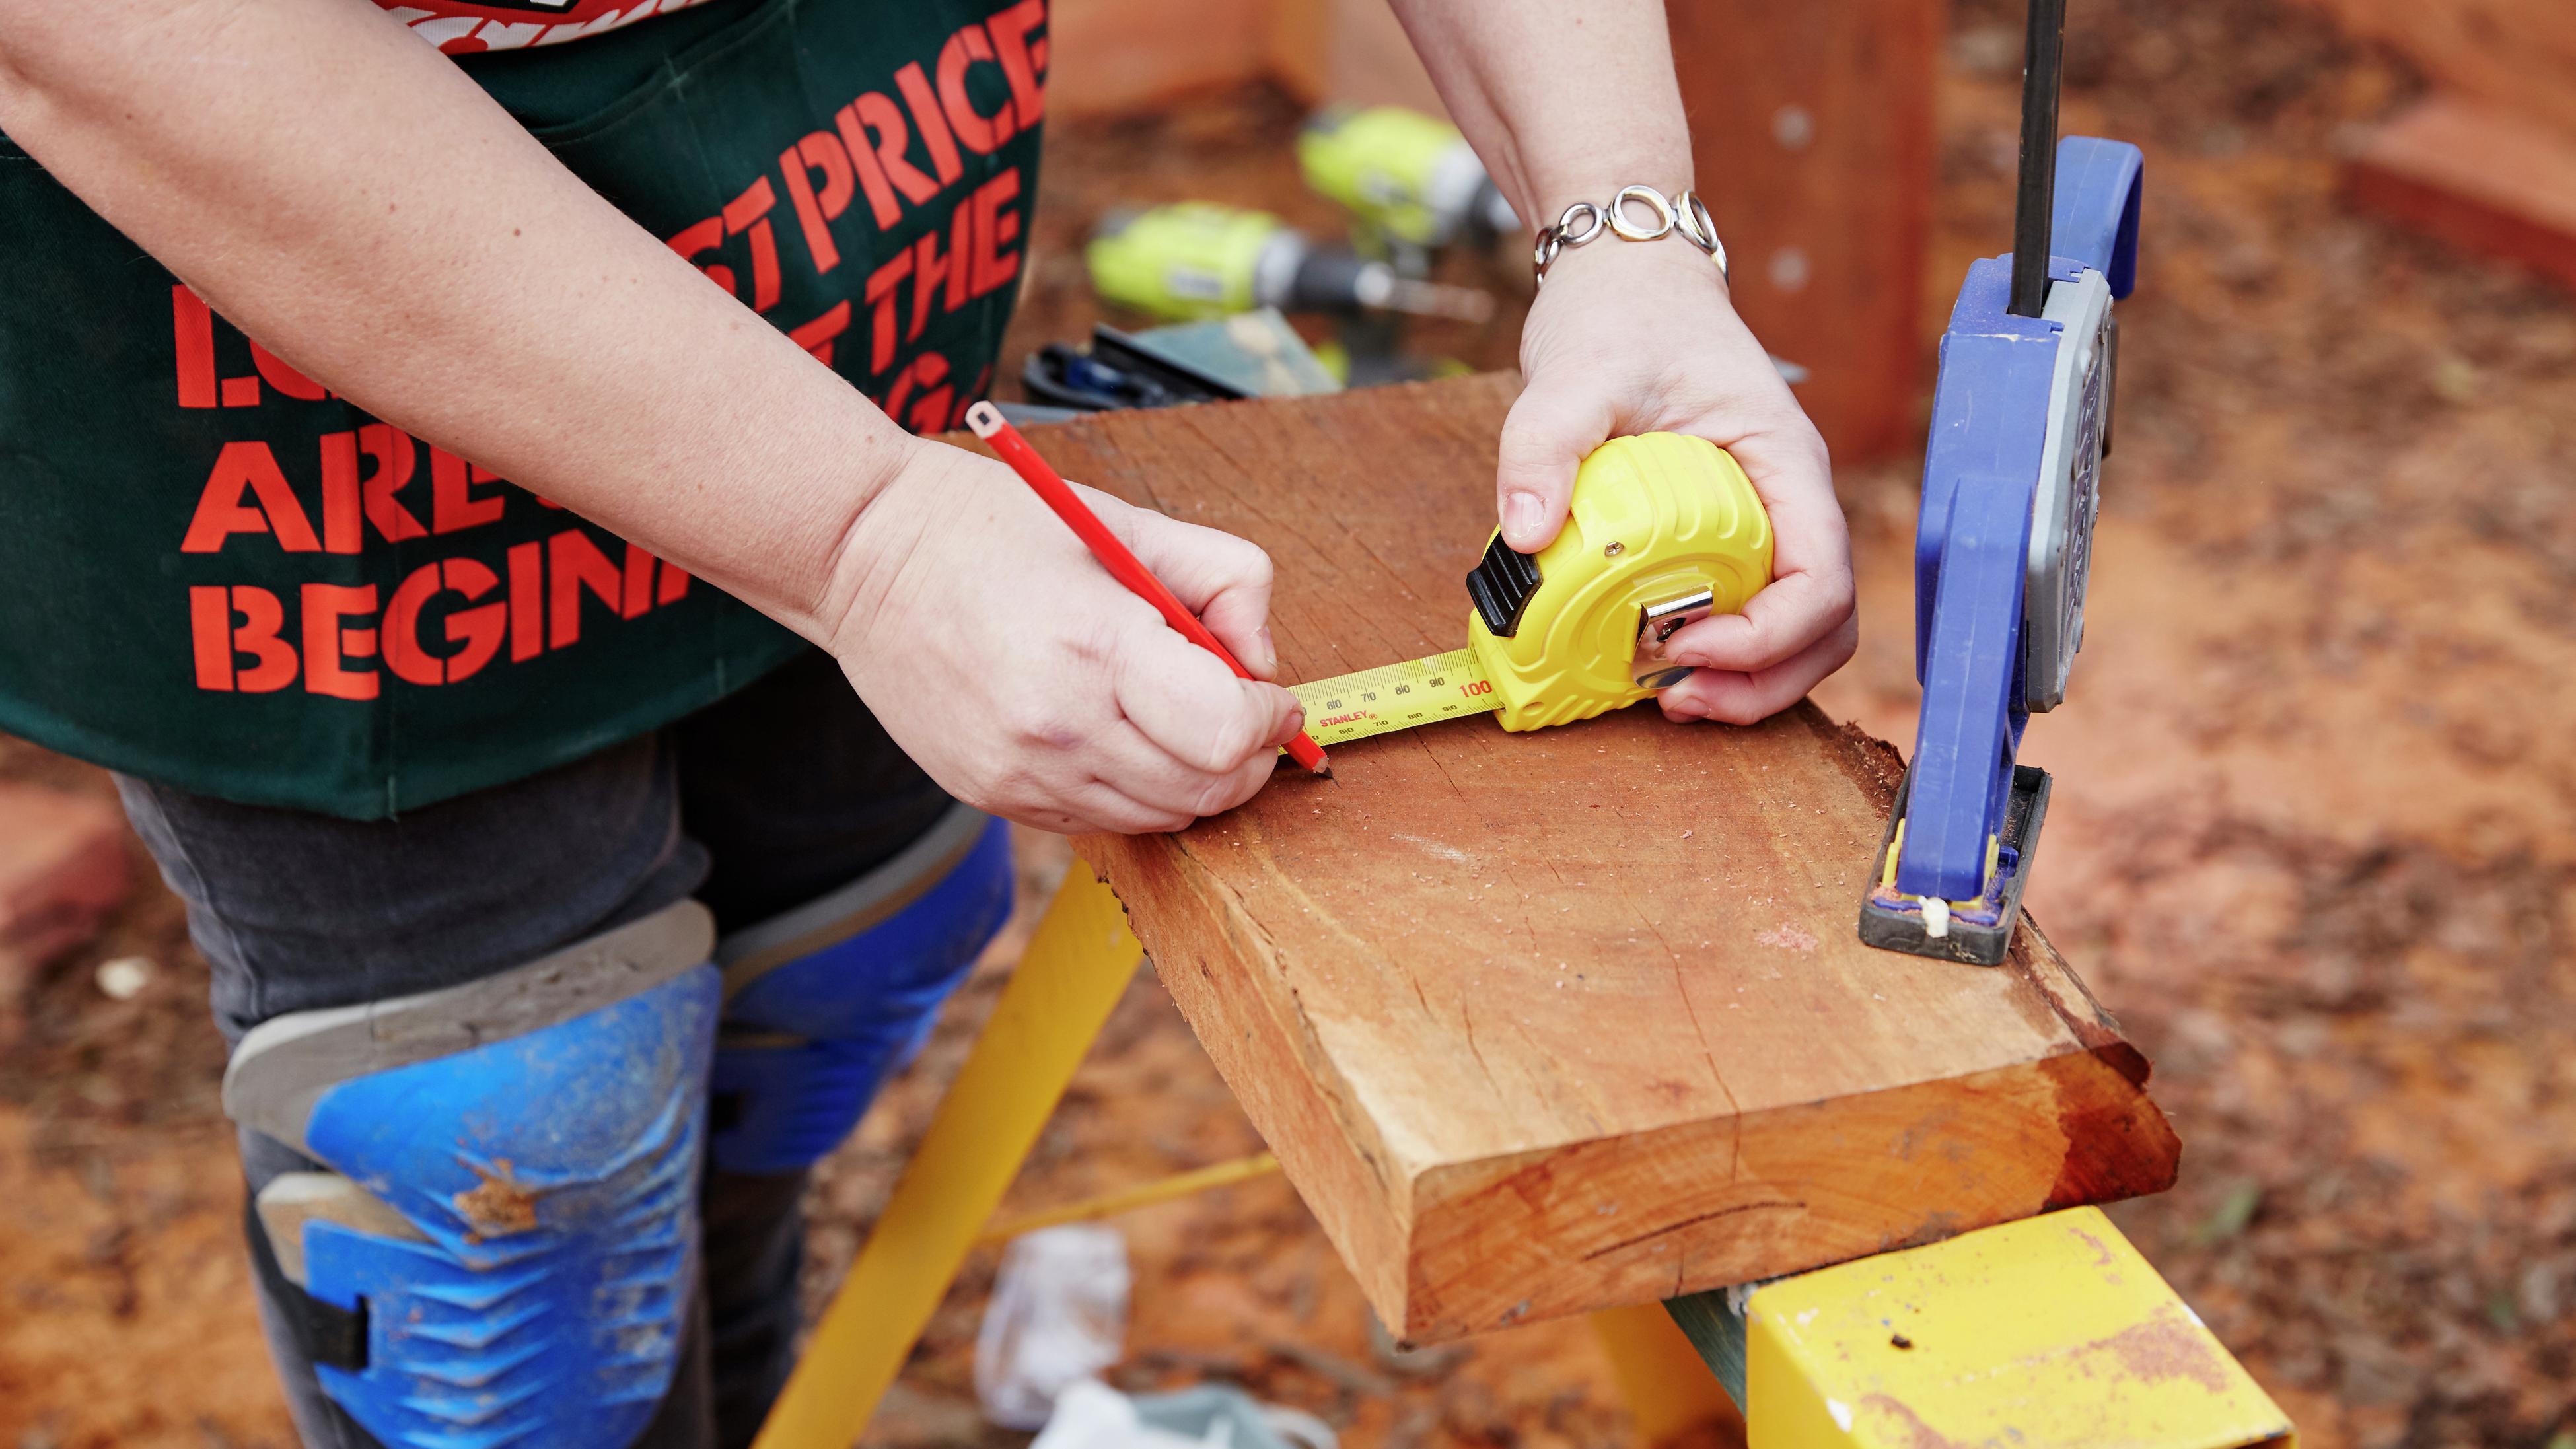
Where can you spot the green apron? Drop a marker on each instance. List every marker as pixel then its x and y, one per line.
pixel 216 575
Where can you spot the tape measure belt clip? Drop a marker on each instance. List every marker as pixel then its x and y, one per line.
pixel 1656 625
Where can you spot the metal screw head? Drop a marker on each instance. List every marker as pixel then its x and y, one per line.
pixel 1793 127
pixel 1613 549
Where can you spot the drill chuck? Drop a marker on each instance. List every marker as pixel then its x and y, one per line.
pixel 1309 278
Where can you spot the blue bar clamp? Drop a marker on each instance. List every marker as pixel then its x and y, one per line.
pixel 2020 422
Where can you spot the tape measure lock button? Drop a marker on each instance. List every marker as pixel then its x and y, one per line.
pixel 1502 584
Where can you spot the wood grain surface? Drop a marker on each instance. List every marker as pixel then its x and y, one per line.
pixel 1811 128
pixel 1548 1022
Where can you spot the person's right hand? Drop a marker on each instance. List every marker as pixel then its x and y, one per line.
pixel 1007 662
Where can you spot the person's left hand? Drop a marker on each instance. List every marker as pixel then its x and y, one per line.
pixel 1639 337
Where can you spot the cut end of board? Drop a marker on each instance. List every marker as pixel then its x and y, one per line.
pixel 1489 1245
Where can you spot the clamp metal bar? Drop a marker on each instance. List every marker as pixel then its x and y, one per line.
pixel 2043 64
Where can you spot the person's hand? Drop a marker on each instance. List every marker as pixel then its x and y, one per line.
pixel 1631 337
pixel 1029 683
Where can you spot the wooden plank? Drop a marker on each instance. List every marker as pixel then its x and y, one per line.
pixel 1558 1021
pixel 2477 177
pixel 2519 55
pixel 1813 131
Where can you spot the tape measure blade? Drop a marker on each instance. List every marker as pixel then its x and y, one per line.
pixel 1395 697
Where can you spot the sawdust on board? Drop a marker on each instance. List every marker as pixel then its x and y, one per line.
pixel 1789 936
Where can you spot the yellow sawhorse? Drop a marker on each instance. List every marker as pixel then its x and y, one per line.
pixel 2047 1334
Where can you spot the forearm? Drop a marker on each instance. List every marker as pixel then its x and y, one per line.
pixel 1564 102
pixel 431 262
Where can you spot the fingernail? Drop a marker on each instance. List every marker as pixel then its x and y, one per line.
pixel 1686 708
pixel 1523 514
pixel 1269 651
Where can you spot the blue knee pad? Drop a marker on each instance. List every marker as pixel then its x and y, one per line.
pixel 825 1002
pixel 510 1233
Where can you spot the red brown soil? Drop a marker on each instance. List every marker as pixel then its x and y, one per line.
pixel 2311 837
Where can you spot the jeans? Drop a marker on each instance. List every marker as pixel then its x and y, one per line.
pixel 771 797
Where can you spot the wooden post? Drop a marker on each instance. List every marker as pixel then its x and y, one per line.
pixel 1812 129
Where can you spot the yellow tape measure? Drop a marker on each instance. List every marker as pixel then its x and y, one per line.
pixel 1665 530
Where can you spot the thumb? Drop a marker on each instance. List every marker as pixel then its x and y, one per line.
pixel 1546 435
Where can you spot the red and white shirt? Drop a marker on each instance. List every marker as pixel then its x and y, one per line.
pixel 462 27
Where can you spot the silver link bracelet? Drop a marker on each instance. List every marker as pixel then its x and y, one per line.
pixel 1683 215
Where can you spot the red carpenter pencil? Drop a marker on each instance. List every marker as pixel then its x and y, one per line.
pixel 989 424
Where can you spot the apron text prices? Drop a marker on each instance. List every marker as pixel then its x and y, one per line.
pixel 900 155
pixel 870 240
